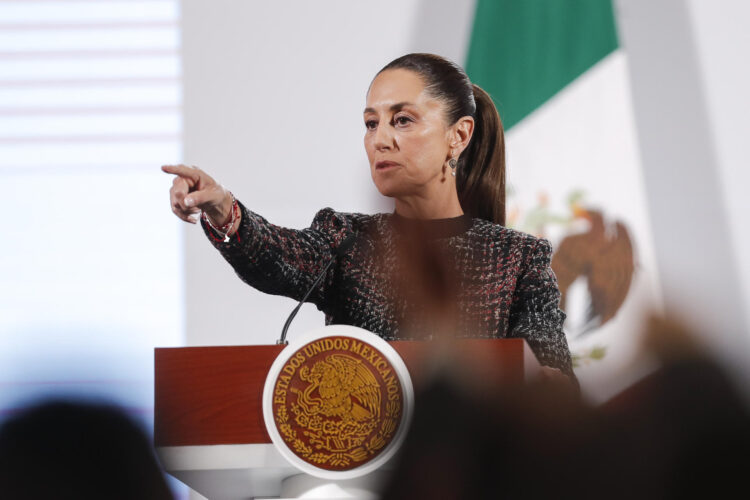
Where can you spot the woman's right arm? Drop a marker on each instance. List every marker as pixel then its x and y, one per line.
pixel 270 258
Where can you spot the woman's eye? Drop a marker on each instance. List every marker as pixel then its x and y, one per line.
pixel 370 124
pixel 402 120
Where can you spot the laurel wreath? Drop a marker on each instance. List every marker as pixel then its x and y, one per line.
pixel 339 459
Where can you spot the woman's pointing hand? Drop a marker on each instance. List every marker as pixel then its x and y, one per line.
pixel 194 190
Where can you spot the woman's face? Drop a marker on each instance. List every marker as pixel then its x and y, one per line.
pixel 407 139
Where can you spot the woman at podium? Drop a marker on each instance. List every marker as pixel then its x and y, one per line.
pixel 435 144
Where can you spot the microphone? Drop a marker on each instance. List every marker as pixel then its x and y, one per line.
pixel 342 249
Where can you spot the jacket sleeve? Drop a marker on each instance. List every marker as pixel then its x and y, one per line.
pixel 282 261
pixel 535 314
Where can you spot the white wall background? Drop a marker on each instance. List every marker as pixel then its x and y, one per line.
pixel 689 81
pixel 723 43
pixel 90 257
pixel 90 262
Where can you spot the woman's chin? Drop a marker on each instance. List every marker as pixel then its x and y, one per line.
pixel 389 189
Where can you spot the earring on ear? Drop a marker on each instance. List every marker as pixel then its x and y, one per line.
pixel 452 163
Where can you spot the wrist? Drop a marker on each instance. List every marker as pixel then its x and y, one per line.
pixel 226 229
pixel 221 215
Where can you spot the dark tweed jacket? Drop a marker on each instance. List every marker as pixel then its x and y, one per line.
pixel 506 285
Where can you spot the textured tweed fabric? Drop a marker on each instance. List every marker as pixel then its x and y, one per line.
pixel 504 284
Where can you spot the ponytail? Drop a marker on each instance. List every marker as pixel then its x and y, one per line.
pixel 480 174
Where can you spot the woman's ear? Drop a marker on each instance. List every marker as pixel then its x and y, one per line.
pixel 461 132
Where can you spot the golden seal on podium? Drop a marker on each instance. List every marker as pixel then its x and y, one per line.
pixel 337 401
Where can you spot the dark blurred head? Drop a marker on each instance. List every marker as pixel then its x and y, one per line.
pixel 77 450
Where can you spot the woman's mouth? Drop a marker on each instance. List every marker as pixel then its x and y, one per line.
pixel 385 165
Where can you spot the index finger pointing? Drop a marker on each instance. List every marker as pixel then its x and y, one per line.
pixel 182 171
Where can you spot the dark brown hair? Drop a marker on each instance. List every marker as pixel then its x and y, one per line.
pixel 480 175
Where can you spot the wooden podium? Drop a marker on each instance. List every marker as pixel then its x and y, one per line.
pixel 208 418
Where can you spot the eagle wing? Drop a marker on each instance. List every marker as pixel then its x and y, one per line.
pixel 361 383
pixel 610 276
pixel 571 260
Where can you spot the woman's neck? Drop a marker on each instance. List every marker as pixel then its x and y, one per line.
pixel 434 206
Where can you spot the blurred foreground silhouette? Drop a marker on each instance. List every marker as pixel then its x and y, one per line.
pixel 67 450
pixel 682 432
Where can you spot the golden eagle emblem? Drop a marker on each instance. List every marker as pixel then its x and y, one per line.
pixel 345 389
pixel 337 403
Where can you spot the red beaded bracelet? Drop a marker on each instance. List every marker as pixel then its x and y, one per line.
pixel 224 230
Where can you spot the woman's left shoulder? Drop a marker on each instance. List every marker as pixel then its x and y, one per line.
pixel 509 238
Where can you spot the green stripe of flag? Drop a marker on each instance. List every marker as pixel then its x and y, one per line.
pixel 524 51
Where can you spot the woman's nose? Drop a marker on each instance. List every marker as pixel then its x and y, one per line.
pixel 383 137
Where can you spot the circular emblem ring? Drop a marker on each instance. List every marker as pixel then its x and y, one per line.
pixel 337 402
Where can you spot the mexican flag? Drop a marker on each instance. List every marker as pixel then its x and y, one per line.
pixel 559 78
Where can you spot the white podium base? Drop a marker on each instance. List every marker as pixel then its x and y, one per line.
pixel 258 471
pixel 306 486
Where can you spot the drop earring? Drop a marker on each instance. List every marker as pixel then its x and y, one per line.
pixel 452 163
